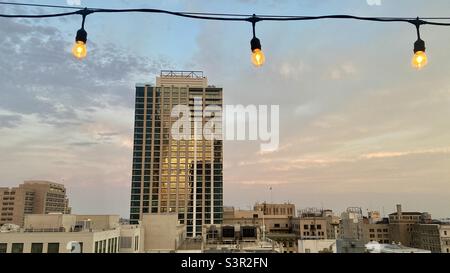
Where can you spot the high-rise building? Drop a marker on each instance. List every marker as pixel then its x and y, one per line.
pixel 32 197
pixel 173 175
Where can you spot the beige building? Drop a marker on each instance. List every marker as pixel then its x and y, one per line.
pixel 401 225
pixel 276 227
pixel 434 237
pixel 317 246
pixel 270 223
pixel 32 197
pixel 163 232
pixel 285 209
pixel 63 233
pixel 311 228
pixel 378 232
pixel 315 224
pixel 351 225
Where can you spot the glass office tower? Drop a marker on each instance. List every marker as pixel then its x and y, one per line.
pixel 172 175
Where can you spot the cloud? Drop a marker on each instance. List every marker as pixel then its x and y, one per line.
pixel 380 155
pixel 10 121
pixel 46 80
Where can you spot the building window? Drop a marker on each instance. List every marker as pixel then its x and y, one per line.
pixel 3 247
pixel 53 248
pixel 125 242
pixel 37 247
pixel 17 248
pixel 305 226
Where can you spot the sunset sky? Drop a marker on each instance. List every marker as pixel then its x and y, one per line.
pixel 358 125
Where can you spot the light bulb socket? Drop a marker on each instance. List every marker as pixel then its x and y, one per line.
pixel 255 44
pixel 419 45
pixel 81 36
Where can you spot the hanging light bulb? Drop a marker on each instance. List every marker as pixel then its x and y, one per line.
pixel 258 58
pixel 79 50
pixel 420 58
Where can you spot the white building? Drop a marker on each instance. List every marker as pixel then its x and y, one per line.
pixel 64 233
pixel 375 247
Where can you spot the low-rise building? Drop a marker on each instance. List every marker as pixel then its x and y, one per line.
pixel 317 246
pixel 434 237
pixel 401 225
pixel 32 197
pixel 376 232
pixel 162 232
pixel 62 233
pixel 285 209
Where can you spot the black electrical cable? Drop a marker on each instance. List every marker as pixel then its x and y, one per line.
pixel 38 5
pixel 219 16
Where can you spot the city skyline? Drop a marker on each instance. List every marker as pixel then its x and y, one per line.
pixel 352 134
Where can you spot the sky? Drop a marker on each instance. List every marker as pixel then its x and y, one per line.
pixel 358 126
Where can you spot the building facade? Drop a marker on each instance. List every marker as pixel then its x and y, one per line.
pixel 32 197
pixel 401 225
pixel 64 233
pixel 434 237
pixel 376 232
pixel 276 209
pixel 172 174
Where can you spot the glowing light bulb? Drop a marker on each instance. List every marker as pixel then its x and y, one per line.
pixel 419 59
pixel 258 58
pixel 79 50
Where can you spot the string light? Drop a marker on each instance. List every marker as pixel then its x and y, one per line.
pixel 258 57
pixel 420 58
pixel 79 50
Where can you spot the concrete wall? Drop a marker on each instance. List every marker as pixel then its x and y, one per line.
pixel 316 246
pixel 101 222
pixel 162 232
pixel 50 221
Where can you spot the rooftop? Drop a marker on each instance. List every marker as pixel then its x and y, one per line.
pixel 182 74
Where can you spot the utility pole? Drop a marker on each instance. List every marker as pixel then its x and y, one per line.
pixel 263 223
pixel 271 200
